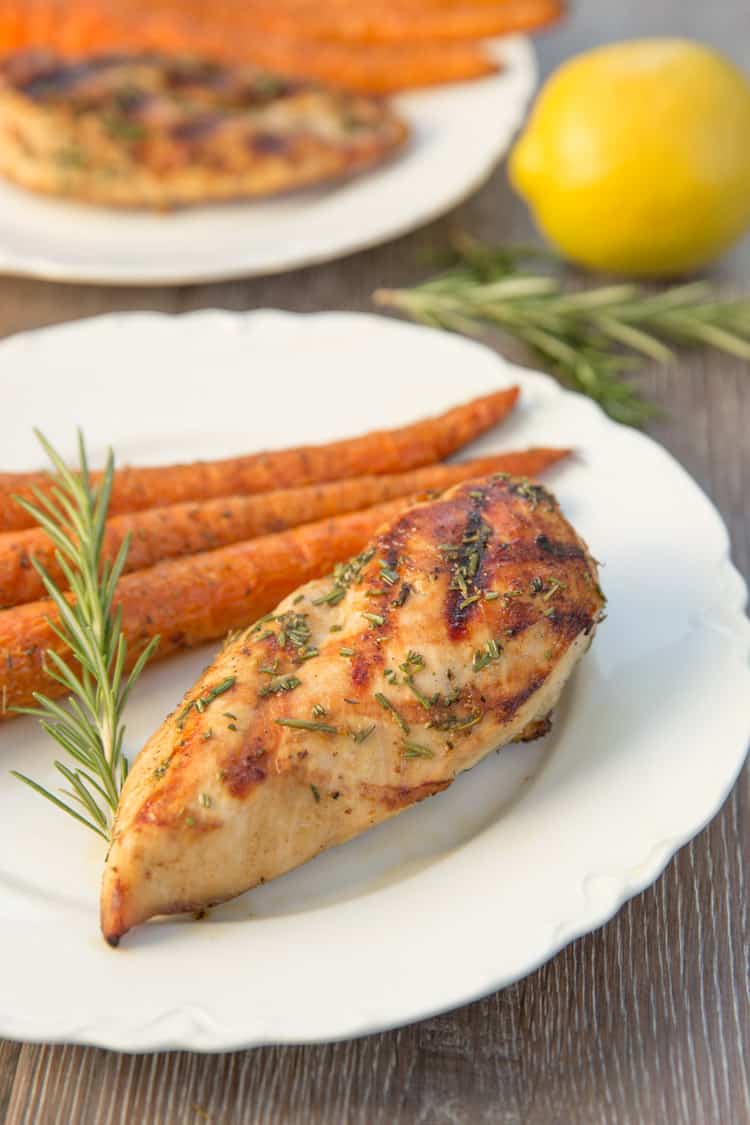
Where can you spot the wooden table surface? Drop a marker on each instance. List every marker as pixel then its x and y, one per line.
pixel 646 1020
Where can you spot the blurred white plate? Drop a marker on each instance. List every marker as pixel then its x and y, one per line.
pixel 460 132
pixel 470 890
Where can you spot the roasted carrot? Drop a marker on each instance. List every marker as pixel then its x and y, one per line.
pixel 424 7
pixel 379 68
pixel 371 46
pixel 186 602
pixel 186 529
pixel 375 68
pixel 396 23
pixel 366 22
pixel 384 451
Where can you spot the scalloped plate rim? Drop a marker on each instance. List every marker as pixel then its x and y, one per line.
pixel 630 879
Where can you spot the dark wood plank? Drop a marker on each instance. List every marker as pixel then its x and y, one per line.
pixel 27 304
pixel 9 1054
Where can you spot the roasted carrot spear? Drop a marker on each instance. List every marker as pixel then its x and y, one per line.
pixel 376 453
pixel 381 68
pixel 186 529
pixel 372 46
pixel 188 601
pixel 364 23
pixel 396 23
pixel 372 68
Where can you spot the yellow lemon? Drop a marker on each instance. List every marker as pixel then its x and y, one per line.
pixel 636 157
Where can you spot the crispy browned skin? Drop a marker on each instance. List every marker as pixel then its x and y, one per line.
pixel 452 634
pixel 382 451
pixel 145 129
pixel 186 602
pixel 187 529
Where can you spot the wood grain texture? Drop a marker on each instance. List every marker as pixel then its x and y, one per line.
pixel 646 1020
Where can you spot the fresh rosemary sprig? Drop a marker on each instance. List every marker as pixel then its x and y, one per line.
pixel 90 729
pixel 594 338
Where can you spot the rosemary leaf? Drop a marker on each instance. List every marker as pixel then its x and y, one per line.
pixel 60 804
pixel 90 727
pixel 592 339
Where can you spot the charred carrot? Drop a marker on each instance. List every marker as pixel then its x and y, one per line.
pixel 376 453
pixel 186 602
pixel 187 529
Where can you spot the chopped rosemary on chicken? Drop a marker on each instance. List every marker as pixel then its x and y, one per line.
pixel 414 750
pixel 554 586
pixel 386 704
pixel 413 662
pixel 487 655
pixel 388 574
pixel 288 683
pixel 344 576
pixel 303 724
pixel 201 702
pixel 294 627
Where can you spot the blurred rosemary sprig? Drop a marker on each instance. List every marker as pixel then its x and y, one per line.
pixel 90 729
pixel 593 339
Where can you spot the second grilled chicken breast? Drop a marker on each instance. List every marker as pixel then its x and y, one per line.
pixel 149 130
pixel 451 635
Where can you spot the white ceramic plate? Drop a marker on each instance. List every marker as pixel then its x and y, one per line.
pixel 460 131
pixel 472 889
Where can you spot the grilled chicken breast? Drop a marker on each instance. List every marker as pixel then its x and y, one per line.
pixel 147 130
pixel 364 693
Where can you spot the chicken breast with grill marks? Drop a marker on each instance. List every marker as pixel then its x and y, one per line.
pixel 450 636
pixel 150 130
